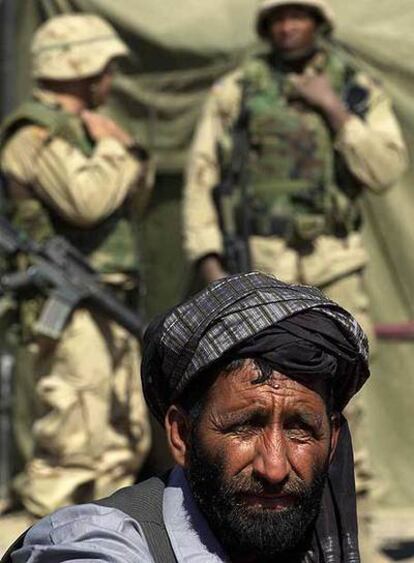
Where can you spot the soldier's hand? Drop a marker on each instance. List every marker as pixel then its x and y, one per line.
pixel 313 88
pixel 101 127
pixel 211 269
pixel 317 91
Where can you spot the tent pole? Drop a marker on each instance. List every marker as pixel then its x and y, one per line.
pixel 7 55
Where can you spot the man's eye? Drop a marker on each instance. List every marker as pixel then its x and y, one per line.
pixel 298 434
pixel 300 431
pixel 248 426
pixel 242 429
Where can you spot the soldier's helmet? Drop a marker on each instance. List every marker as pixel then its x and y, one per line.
pixel 320 7
pixel 74 46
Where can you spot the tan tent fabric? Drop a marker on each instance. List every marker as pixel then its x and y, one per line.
pixel 179 47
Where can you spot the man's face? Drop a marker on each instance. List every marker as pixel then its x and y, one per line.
pixel 103 84
pixel 257 459
pixel 291 30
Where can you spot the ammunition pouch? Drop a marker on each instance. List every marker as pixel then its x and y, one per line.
pixel 299 229
pixel 289 228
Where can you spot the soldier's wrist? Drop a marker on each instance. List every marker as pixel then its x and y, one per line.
pixel 336 113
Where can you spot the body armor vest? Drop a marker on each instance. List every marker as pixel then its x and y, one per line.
pixel 295 188
pixel 110 246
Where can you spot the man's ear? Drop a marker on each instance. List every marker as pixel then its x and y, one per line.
pixel 335 429
pixel 177 428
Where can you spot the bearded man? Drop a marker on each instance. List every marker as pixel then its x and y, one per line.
pixel 250 378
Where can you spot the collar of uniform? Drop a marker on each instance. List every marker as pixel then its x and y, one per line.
pixel 318 62
pixel 315 64
pixel 46 97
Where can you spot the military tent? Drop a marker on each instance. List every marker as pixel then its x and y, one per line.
pixel 178 48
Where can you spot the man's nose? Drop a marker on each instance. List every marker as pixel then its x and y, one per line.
pixel 287 25
pixel 271 462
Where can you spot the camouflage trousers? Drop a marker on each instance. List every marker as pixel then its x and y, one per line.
pixel 91 433
pixel 336 267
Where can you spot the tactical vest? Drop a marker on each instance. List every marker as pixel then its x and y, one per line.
pixel 110 246
pixel 295 190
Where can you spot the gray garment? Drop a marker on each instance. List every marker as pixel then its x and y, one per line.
pixel 91 533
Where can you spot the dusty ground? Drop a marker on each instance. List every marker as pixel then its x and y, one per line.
pixel 393 531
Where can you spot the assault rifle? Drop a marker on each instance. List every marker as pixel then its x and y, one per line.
pixel 61 273
pixel 233 187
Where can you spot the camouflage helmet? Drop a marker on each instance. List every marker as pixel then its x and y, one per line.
pixel 321 7
pixel 74 46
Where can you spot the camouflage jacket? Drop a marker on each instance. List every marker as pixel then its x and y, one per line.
pixel 370 148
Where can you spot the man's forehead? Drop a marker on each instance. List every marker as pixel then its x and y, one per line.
pixel 245 379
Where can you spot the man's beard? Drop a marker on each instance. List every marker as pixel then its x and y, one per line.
pixel 243 529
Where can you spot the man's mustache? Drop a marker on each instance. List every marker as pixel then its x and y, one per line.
pixel 253 486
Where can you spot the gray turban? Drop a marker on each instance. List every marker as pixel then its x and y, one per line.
pixel 223 322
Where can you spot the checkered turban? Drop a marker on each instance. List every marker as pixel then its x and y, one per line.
pixel 193 337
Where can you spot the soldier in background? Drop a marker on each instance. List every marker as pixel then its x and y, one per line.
pixel 73 172
pixel 320 134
